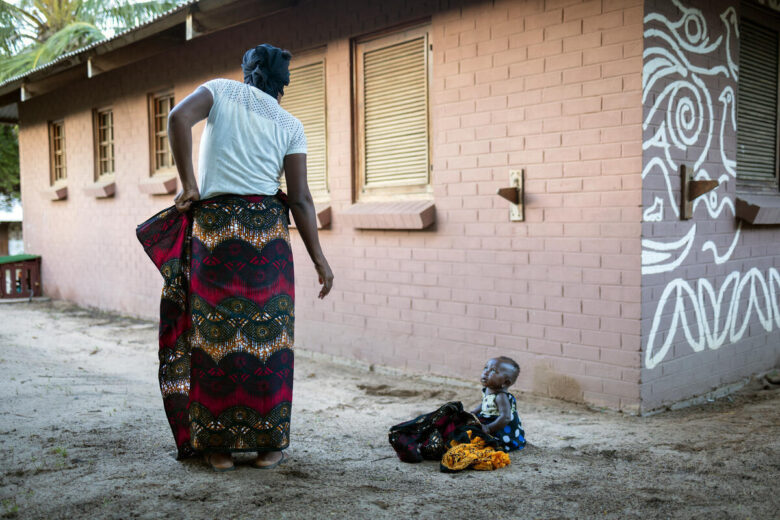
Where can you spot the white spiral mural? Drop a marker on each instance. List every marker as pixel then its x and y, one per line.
pixel 681 125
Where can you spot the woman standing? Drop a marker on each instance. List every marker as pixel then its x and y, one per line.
pixel 226 328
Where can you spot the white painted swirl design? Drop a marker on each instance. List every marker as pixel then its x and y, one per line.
pixel 679 74
pixel 718 317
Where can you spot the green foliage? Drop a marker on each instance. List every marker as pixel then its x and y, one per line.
pixel 35 32
pixel 9 161
pixel 71 37
pixel 60 450
pixel 10 508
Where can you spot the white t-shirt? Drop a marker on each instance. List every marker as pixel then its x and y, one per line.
pixel 246 137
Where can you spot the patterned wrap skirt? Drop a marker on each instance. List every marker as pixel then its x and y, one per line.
pixel 226 322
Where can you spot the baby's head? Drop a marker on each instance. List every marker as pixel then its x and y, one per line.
pixel 500 373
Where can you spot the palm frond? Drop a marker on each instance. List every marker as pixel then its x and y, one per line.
pixel 35 32
pixel 57 13
pixel 13 23
pixel 19 63
pixel 21 14
pixel 68 39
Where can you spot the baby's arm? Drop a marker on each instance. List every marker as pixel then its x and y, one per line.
pixel 478 409
pixel 504 414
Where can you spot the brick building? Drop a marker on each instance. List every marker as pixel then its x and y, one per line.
pixel 416 114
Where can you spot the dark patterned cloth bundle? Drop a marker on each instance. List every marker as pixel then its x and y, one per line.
pixel 451 436
pixel 427 436
pixel 226 322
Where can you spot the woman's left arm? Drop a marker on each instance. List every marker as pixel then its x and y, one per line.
pixel 192 109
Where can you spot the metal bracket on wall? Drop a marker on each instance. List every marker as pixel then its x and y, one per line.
pixel 515 194
pixel 690 190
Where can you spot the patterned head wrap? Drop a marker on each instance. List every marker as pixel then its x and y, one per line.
pixel 267 68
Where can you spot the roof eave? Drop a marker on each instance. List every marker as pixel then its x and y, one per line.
pixel 197 18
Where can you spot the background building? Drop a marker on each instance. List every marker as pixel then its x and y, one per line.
pixel 10 228
pixel 416 113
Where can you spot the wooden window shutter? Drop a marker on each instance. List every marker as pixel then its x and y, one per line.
pixel 103 128
pixel 757 104
pixel 160 106
pixel 394 118
pixel 305 99
pixel 57 158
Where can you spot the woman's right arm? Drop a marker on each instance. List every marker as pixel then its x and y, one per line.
pixel 302 207
pixel 192 109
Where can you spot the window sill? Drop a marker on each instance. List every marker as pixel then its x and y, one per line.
pixel 102 188
pixel 323 216
pixel 415 214
pixel 159 184
pixel 56 192
pixel 758 209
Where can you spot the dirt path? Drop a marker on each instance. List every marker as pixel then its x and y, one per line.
pixel 83 435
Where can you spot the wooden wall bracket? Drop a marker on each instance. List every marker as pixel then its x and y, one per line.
pixel 690 190
pixel 93 69
pixel 515 194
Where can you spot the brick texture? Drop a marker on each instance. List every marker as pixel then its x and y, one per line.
pixel 692 343
pixel 550 87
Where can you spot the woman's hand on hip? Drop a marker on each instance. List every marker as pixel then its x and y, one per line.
pixel 325 276
pixel 184 199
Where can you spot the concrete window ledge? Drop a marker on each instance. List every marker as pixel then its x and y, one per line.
pixel 759 209
pixel 413 214
pixel 101 189
pixel 56 193
pixel 323 216
pixel 163 184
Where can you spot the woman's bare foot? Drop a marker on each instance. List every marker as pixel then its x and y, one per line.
pixel 219 461
pixel 268 459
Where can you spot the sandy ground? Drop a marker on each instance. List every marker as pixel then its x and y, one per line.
pixel 83 435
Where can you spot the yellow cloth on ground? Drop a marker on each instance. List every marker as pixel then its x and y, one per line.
pixel 474 455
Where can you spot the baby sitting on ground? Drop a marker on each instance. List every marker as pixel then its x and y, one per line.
pixel 461 439
pixel 498 410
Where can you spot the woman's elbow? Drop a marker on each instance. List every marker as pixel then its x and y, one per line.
pixel 173 123
pixel 178 119
pixel 299 198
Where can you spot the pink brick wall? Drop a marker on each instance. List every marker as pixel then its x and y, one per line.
pixel 693 343
pixel 553 87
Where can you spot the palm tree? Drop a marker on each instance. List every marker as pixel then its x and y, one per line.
pixel 35 32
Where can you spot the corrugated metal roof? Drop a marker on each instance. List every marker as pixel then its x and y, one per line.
pixel 94 45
